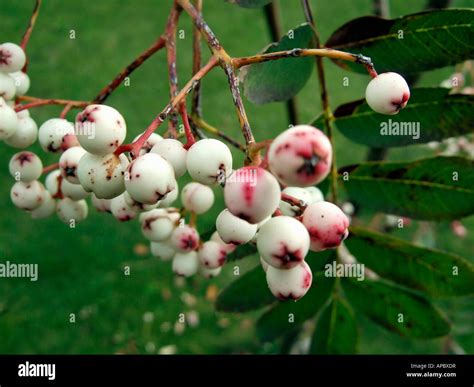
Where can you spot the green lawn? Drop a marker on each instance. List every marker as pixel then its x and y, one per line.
pixel 81 271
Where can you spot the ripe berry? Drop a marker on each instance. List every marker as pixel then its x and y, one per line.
pixel 326 224
pixel 298 193
pixel 69 210
pixel 252 194
pixel 264 264
pixel 21 81
pixel 157 225
pixel 149 143
pixel 8 120
pixel 162 250
pixel 27 196
pixel 52 182
pixel 56 135
pixel 209 273
pixel 12 57
pixel 68 163
pixel 185 264
pixel 73 191
pixel 212 255
pixel 315 193
pixel 197 198
pixel 25 134
pixel 170 198
pixel 209 161
pixel 121 210
pixel 283 242
pixel 172 151
pixel 300 156
pixel 7 86
pixel 229 247
pixel 103 175
pixel 232 229
pixel 101 129
pixel 290 284
pixel 185 238
pixel 26 166
pixel 149 178
pixel 46 209
pixel 138 207
pixel 101 205
pixel 387 93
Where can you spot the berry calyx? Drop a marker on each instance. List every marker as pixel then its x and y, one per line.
pixel 56 135
pixel 12 57
pixel 387 93
pixel 25 166
pixel 185 238
pixel 68 163
pixel 212 255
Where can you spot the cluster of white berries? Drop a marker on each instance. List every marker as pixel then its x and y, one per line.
pixel 277 207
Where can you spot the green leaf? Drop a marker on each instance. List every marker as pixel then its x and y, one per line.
pixel 336 330
pixel 242 251
pixel 396 309
pixel 289 315
pixel 409 44
pixel 433 189
pixel 280 80
pixel 432 114
pixel 250 3
pixel 432 271
pixel 249 292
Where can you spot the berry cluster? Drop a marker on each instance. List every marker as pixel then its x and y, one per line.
pixel 274 205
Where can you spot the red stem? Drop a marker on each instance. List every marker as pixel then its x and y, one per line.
pixel 43 102
pixel 293 201
pixel 50 168
pixel 190 140
pixel 31 24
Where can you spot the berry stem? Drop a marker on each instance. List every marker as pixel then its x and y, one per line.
pixel 187 128
pixel 31 25
pixel 108 90
pixel 65 111
pixel 327 113
pixel 50 168
pixel 293 201
pixel 200 123
pixel 36 102
pixel 196 97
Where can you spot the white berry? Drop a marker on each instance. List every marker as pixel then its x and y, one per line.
pixel 21 81
pixel 121 210
pixel 27 196
pixel 8 120
pixel 172 151
pixel 209 273
pixel 315 193
pixel 52 182
pixel 300 156
pixel 54 135
pixel 69 161
pixel 327 225
pixel 25 166
pixel 283 242
pixel 185 264
pixel 387 93
pixel 252 194
pixel 298 193
pixel 289 284
pixel 101 205
pixel 232 229
pixel 12 57
pixel 149 143
pixel 212 255
pixel 209 161
pixel 70 211
pixel 101 129
pixel 25 134
pixel 137 206
pixel 73 191
pixel 7 86
pixel 197 198
pixel 162 250
pixel 185 238
pixel 170 197
pixel 229 247
pixel 46 209
pixel 157 225
pixel 149 178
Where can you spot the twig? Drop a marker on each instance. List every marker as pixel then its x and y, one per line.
pixel 327 113
pixel 196 97
pixel 31 25
pixel 36 102
pixel 65 111
pixel 50 168
pixel 187 128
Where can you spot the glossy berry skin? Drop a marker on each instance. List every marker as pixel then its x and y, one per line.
pixel 68 163
pixel 185 264
pixel 162 250
pixel 327 225
pixel 169 198
pixel 315 194
pixel 101 205
pixel 56 135
pixel 139 207
pixel 157 225
pixel 69 210
pixel 7 86
pixel 73 191
pixel 52 182
pixel 25 166
pixel 172 151
pixel 300 156
pixel 298 193
pixel 46 209
pixel 121 210
pixel 209 161
pixel 209 273
pixel 27 196
pixel 283 242
pixel 101 129
pixel 212 255
pixel 197 198
pixel 12 57
pixel 234 230
pixel 103 175
pixel 149 178
pixel 387 93
pixel 289 284
pixel 185 238
pixel 21 81
pixel 8 120
pixel 149 143
pixel 252 194
pixel 25 134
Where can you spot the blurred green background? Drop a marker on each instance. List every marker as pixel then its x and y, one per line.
pixel 81 271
